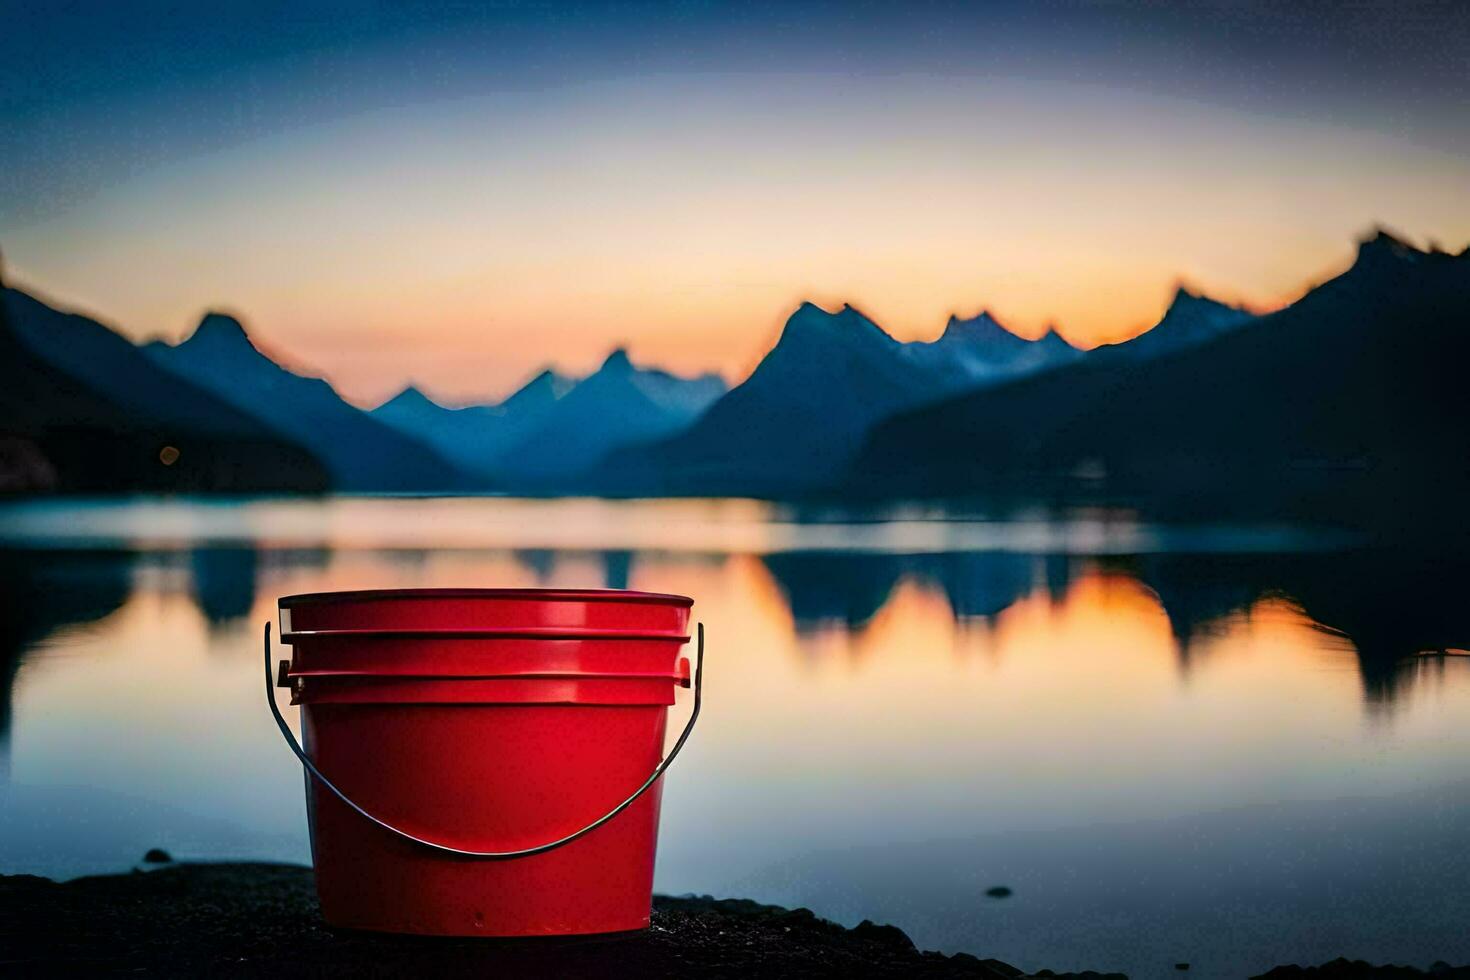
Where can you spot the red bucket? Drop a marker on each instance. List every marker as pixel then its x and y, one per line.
pixel 484 762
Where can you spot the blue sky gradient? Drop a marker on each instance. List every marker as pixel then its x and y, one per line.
pixel 498 163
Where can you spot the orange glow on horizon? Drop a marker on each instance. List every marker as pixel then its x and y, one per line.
pixel 449 365
pixel 462 246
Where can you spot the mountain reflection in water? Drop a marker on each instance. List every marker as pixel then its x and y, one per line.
pixel 1389 609
pixel 1386 606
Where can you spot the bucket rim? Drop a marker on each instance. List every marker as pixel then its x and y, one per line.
pixel 486 633
pixel 548 595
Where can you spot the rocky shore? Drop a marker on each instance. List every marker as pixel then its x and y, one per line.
pixel 259 919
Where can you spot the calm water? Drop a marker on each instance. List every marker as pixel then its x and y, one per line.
pixel 1190 744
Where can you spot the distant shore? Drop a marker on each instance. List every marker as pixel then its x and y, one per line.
pixel 258 919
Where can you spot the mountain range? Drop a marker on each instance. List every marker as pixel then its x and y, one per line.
pixel 360 453
pixel 83 410
pixel 1351 401
pixel 556 426
pixel 797 421
pixel 1350 394
pixel 83 397
pixel 473 436
pixel 802 412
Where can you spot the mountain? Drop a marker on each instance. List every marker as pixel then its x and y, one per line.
pixel 618 405
pixel 52 426
pixel 1190 319
pixel 82 409
pixel 361 453
pixel 1351 403
pixel 980 348
pixel 464 436
pixel 109 364
pixel 554 426
pixel 474 437
pixel 796 420
pixel 537 395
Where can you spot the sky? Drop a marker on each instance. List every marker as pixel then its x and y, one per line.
pixel 458 194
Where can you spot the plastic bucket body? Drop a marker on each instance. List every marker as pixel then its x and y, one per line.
pixel 484 720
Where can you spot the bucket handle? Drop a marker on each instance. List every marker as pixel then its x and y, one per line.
pixel 270 695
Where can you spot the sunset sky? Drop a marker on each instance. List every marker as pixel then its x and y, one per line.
pixel 390 192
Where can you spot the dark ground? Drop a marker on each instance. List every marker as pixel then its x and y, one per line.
pixel 259 919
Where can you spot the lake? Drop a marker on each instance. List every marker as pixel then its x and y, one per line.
pixel 1228 746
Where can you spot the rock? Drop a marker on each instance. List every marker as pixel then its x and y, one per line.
pixel 992 969
pixel 256 919
pixel 158 856
pixel 886 935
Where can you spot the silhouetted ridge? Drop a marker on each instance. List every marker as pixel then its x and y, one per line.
pixel 803 411
pixel 89 411
pixel 1383 254
pixel 1383 244
pixel 361 452
pixel 619 404
pixel 1350 402
pixel 410 397
pixel 220 327
pixel 540 391
pixel 982 332
pixel 1191 319
pixel 1056 342
pixel 811 324
pixel 553 425
pixel 617 361
pixel 1187 301
pixel 982 337
pixel 1212 403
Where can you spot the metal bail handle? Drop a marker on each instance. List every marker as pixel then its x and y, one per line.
pixel 270 695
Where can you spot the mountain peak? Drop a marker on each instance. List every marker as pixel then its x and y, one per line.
pixel 1191 318
pixel 1053 339
pixel 1183 294
pixel 1380 248
pixel 544 388
pixel 410 397
pixel 983 328
pixel 549 377
pixel 811 311
pixel 1381 236
pixel 957 322
pixel 846 325
pixel 617 361
pixel 1191 301
pixel 220 326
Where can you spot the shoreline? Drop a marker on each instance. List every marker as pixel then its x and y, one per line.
pixel 252 919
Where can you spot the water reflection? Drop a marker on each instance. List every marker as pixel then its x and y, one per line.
pixel 617 569
pixel 1386 609
pixel 1386 606
pixel 39 595
pixel 824 589
pixel 224 581
pixel 540 562
pixel 948 704
pixel 981 586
